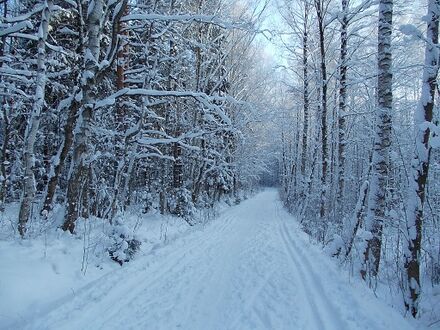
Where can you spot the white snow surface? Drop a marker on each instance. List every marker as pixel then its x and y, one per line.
pixel 250 268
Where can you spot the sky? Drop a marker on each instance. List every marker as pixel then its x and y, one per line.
pixel 272 23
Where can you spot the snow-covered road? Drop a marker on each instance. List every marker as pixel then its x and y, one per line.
pixel 251 268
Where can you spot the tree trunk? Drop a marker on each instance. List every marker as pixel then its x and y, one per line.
pixel 78 183
pixel 120 141
pixel 305 96
pixel 377 197
pixel 59 164
pixel 33 127
pixel 6 126
pixel 69 128
pixel 4 153
pixel 342 111
pixel 420 163
pixel 320 11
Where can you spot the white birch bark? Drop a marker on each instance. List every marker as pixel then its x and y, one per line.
pixel 377 196
pixel 423 117
pixel 34 124
pixel 342 111
pixel 78 183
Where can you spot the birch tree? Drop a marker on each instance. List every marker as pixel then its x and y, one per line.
pixel 306 92
pixel 423 119
pixel 321 7
pixel 78 185
pixel 377 196
pixel 343 68
pixel 34 122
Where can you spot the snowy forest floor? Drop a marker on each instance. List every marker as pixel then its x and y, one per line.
pixel 250 268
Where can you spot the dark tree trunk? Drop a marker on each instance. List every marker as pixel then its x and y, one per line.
pixel 78 187
pixel 342 111
pixel 305 96
pixel 59 165
pixel 320 7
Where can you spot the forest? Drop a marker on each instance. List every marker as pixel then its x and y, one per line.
pixel 118 115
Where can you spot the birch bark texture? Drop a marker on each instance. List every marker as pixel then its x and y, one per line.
pixel 78 183
pixel 305 58
pixel 34 124
pixel 423 118
pixel 342 107
pixel 377 196
pixel 321 7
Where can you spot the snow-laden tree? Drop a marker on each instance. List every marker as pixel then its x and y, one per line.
pixel 29 187
pixel 423 121
pixel 137 104
pixel 377 196
pixel 371 222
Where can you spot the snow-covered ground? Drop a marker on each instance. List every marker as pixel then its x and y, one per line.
pixel 251 268
pixel 51 266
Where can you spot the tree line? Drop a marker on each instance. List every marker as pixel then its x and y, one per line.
pixel 107 104
pixel 359 164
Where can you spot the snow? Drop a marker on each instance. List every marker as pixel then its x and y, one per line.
pixel 250 268
pixel 15 28
pixel 435 142
pixel 188 18
pixel 37 274
pixel 410 30
pixel 203 98
pixel 31 279
pixel 66 30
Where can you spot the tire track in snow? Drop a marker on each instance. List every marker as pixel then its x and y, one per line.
pixel 225 256
pixel 108 287
pixel 318 287
pixel 167 277
pixel 244 270
pixel 321 308
pixel 162 291
pixel 168 292
pixel 221 300
pixel 249 303
pixel 313 309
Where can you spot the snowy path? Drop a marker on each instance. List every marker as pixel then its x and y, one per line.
pixel 249 269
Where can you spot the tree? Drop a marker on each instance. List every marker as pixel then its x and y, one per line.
pixel 377 196
pixel 306 105
pixel 343 68
pixel 321 7
pixel 34 122
pixel 423 119
pixel 78 183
